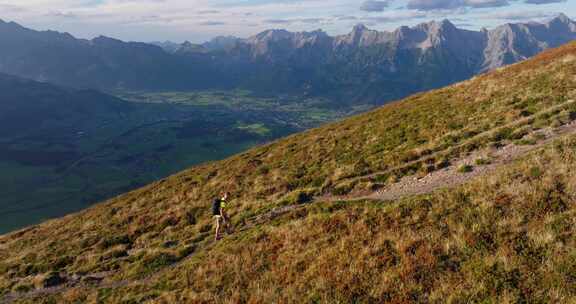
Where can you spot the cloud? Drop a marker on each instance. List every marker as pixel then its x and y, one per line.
pixel 374 6
pixel 211 23
pixel 12 8
pixel 543 1
pixel 393 16
pixel 278 21
pixel 296 20
pixel 208 12
pixel 430 5
pixel 346 18
pixel 519 16
pixel 67 15
pixel 486 3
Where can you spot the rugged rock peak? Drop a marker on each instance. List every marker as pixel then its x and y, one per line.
pixel 409 38
pixel 435 27
pixel 303 38
pixel 271 35
pixel 447 25
pixel 106 41
pixel 189 47
pixel 358 31
pixel 435 33
pixel 506 29
pixel 359 28
pixel 510 43
pixel 361 36
pixel 402 31
pixel 562 22
pixel 316 34
pixel 168 46
pixel 222 43
pixel 262 42
pixel 561 18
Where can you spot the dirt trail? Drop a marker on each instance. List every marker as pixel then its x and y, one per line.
pixel 490 132
pixel 450 177
pixel 408 186
pixel 95 280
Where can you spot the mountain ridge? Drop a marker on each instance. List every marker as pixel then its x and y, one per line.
pixel 440 52
pixel 396 63
pixel 430 34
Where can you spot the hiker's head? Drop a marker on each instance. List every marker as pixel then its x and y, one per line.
pixel 225 195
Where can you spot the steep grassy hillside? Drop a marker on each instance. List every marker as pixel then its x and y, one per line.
pixel 508 238
pixel 503 238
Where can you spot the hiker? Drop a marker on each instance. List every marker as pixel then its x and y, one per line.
pixel 219 211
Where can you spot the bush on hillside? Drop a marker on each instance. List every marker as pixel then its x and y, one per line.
pixel 465 168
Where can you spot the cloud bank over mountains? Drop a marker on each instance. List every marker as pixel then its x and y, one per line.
pixel 199 20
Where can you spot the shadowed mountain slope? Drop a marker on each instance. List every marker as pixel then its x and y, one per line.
pixel 27 106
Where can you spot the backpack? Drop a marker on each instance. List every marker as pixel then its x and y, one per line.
pixel 216 207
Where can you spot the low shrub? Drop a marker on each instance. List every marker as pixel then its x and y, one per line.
pixel 464 168
pixel 482 161
pixel 159 260
pixel 114 240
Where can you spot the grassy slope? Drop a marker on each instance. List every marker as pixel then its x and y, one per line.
pixel 508 238
pixel 494 239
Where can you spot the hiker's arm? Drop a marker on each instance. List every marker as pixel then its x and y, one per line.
pixel 223 214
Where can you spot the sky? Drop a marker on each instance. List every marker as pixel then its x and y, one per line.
pixel 200 20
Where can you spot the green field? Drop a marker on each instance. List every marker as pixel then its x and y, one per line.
pixel 300 112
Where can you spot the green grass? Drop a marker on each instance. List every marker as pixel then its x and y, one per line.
pixel 465 168
pixel 492 240
pixel 482 161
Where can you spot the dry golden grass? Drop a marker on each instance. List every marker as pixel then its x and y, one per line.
pixel 506 238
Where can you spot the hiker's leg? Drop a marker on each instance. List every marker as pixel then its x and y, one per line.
pixel 217 236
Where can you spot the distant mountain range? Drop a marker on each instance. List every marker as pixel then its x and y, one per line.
pixel 102 62
pixel 362 66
